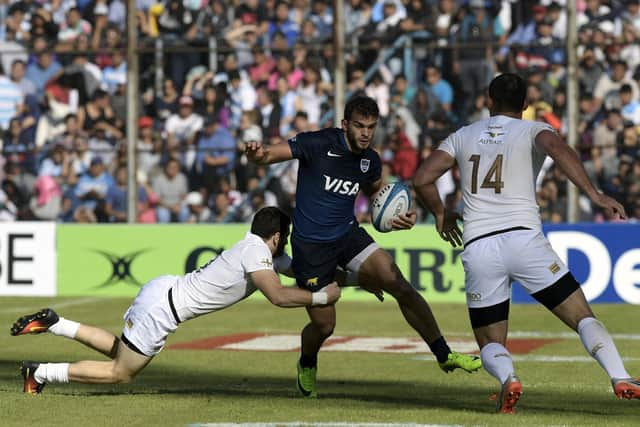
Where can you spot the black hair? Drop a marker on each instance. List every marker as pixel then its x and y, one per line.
pixel 363 105
pixel 268 221
pixel 508 92
pixel 626 88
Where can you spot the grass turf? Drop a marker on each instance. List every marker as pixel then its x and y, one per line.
pixel 181 387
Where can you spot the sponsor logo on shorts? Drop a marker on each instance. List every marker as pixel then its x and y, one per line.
pixel 129 323
pixel 312 282
pixel 554 268
pixel 474 296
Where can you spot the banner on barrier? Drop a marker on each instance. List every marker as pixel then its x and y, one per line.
pixel 604 258
pixel 115 260
pixel 27 259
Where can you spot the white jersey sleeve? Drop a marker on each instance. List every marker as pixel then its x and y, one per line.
pixel 256 257
pixel 499 163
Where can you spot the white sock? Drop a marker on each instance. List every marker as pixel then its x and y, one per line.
pixel 52 373
pixel 65 328
pixel 496 360
pixel 600 346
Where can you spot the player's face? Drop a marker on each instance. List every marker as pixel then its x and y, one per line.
pixel 360 131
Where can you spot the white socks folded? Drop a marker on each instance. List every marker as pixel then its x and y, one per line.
pixel 600 346
pixel 496 360
pixel 52 373
pixel 65 328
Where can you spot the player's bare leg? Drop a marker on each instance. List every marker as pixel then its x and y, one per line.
pixel 98 339
pixel 576 313
pixel 380 272
pixel 321 326
pixel 121 369
pixel 379 269
pixel 323 321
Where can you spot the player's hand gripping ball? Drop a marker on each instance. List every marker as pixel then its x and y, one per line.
pixel 392 200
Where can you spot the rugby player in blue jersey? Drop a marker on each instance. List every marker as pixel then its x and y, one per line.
pixel 335 164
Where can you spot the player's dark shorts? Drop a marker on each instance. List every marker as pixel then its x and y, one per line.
pixel 314 263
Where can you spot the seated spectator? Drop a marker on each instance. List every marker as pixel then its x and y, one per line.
pixel 57 165
pixel 607 89
pixel 605 137
pixel 92 189
pixel 17 147
pixel 44 68
pixel 149 147
pixel 116 203
pixel 216 154
pixel 22 178
pixel 167 104
pixel 73 26
pixel 46 203
pixel 171 189
pixel 270 110
pixel 18 199
pixel 282 23
pixel 211 101
pixel 182 129
pixel 197 211
pixel 629 106
pixel 97 117
pixel 10 98
pixel 17 76
pixel 439 87
pixel 116 73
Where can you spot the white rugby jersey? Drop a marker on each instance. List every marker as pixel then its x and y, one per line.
pixel 499 163
pixel 225 279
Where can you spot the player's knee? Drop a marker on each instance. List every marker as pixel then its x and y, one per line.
pixel 325 329
pixel 119 376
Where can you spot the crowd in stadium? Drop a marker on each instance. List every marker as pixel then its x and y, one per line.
pixel 63 97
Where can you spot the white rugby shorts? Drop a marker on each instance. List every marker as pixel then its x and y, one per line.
pixel 149 319
pixel 492 263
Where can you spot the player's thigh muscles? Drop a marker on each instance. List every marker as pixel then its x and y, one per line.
pixel 373 265
pixel 487 288
pixel 128 363
pixel 151 318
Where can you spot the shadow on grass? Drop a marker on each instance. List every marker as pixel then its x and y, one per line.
pixel 391 394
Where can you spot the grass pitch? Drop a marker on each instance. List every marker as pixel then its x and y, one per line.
pixel 182 387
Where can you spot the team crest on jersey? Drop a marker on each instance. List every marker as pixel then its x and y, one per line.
pixel 364 165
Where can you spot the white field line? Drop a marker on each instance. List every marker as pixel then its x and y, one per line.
pixel 71 303
pixel 550 335
pixel 319 424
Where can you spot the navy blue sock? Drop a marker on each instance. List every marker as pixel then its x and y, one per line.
pixel 308 361
pixel 441 349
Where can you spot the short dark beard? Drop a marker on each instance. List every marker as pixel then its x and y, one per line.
pixel 353 146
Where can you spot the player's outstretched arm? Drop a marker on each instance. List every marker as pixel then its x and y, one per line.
pixel 424 183
pixel 267 154
pixel 569 163
pixel 283 296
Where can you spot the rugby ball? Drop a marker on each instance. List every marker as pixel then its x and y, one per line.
pixel 392 200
